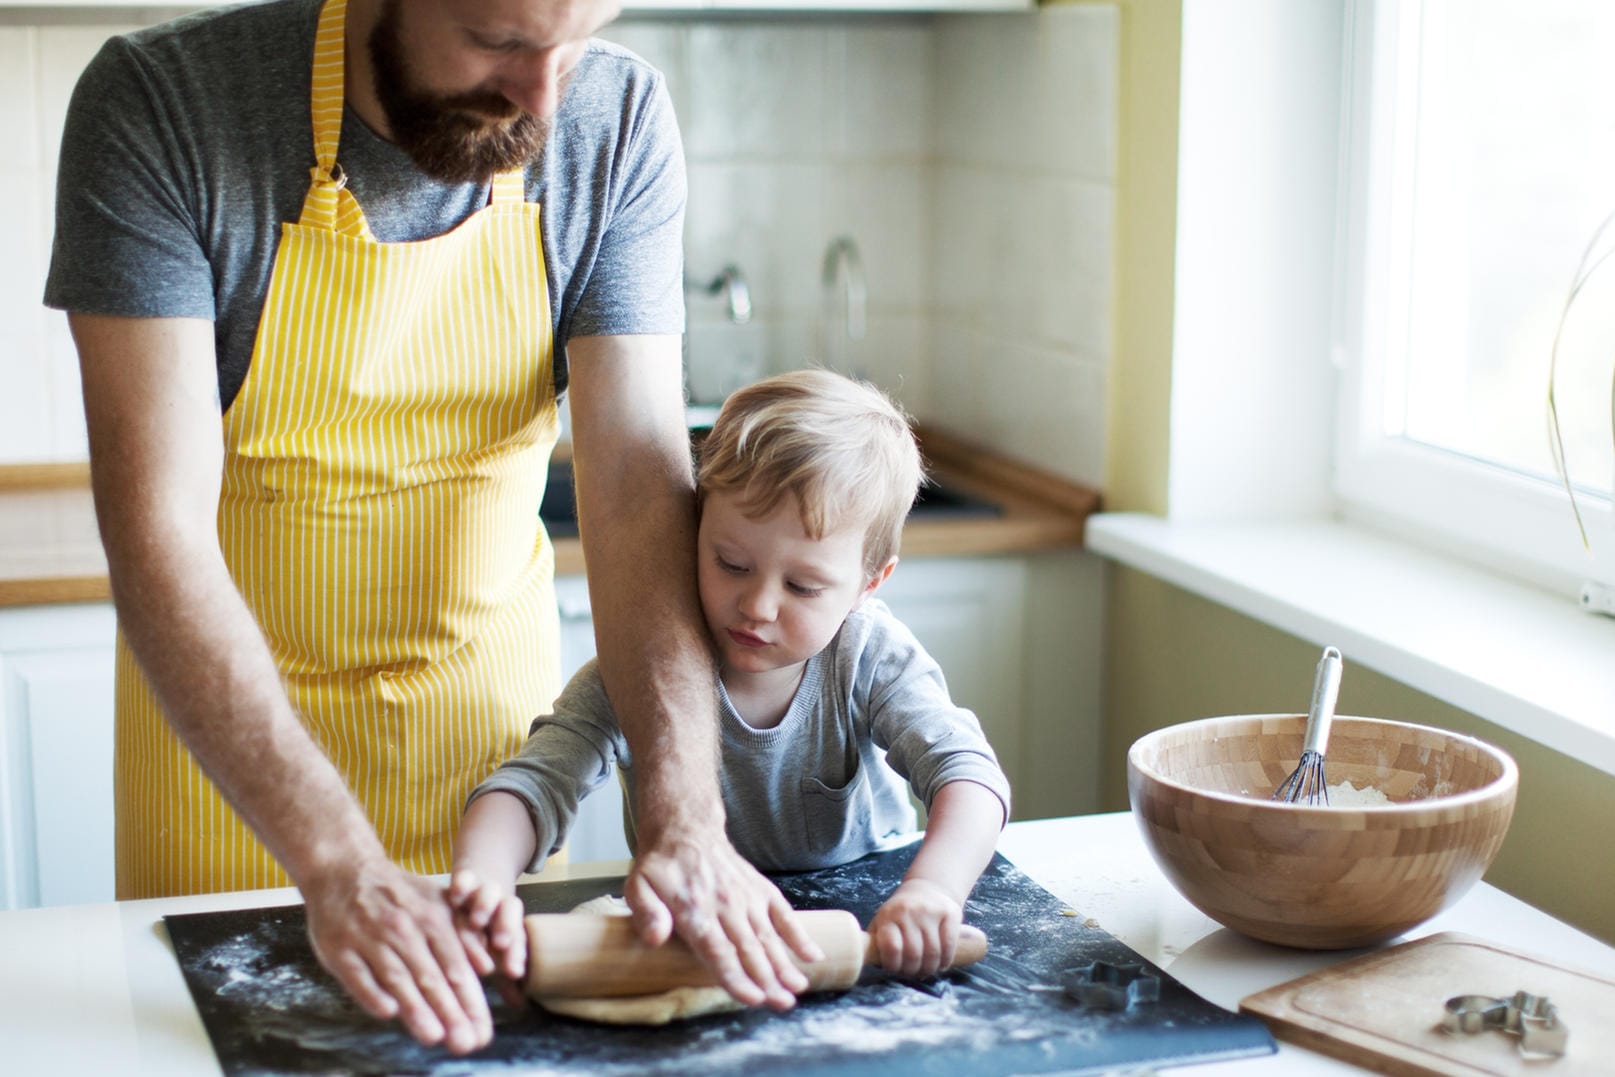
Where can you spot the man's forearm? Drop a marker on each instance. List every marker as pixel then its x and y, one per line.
pixel 210 668
pixel 636 515
pixel 152 412
pixel 655 659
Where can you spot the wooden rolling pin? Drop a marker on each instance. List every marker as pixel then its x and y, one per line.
pixel 579 956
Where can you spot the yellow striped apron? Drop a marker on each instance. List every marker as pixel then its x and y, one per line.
pixel 384 462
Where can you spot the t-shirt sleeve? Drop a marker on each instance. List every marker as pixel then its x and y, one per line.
pixel 636 284
pixel 127 238
pixel 567 755
pixel 928 739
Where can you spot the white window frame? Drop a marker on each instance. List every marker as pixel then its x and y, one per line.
pixel 1500 518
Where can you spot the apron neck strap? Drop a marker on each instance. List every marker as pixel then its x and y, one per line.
pixel 509 188
pixel 329 204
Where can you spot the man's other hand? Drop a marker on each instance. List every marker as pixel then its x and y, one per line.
pixel 730 914
pixel 390 939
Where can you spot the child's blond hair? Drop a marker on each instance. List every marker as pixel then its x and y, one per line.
pixel 841 447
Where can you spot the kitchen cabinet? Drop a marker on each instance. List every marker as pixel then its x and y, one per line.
pixel 975 614
pixel 597 833
pixel 56 838
pixel 56 683
pixel 966 611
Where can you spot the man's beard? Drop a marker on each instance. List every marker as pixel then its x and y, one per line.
pixel 459 138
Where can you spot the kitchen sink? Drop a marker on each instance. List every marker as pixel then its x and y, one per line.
pixel 559 510
pixel 936 502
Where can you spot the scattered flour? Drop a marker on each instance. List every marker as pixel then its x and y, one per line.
pixel 1346 795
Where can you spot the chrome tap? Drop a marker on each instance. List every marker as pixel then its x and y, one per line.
pixel 846 297
pixel 730 283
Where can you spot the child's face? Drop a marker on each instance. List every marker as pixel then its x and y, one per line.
pixel 773 596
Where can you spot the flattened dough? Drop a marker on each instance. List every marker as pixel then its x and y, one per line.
pixel 679 1004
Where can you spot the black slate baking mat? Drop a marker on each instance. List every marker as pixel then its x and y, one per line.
pixel 270 1009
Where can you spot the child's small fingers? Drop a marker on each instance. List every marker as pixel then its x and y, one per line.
pixel 484 904
pixel 508 931
pixel 932 960
pixel 500 921
pixel 476 952
pixel 462 884
pixel 889 944
pixel 515 956
pixel 948 943
pixel 511 991
pixel 914 946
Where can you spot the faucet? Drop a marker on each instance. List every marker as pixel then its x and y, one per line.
pixel 845 298
pixel 730 283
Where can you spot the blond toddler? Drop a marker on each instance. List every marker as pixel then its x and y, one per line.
pixel 831 711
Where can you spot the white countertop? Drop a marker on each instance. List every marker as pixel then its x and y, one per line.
pixel 95 989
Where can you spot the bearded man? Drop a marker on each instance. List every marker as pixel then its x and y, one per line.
pixel 329 267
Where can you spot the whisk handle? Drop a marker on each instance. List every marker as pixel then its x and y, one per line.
pixel 1325 690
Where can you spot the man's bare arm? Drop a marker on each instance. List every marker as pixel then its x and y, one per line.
pixel 151 402
pixel 636 514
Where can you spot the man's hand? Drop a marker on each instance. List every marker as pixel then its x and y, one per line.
pixel 733 917
pixel 389 938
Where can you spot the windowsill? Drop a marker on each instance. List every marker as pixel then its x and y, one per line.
pixel 1529 661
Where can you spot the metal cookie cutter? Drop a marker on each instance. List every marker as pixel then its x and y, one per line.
pixel 1537 1021
pixel 1531 1017
pixel 1103 986
pixel 1475 1013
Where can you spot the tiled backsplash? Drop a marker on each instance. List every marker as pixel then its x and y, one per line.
pixel 971 157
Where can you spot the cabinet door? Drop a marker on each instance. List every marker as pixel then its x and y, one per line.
pixel 56 823
pixel 597 834
pixel 968 612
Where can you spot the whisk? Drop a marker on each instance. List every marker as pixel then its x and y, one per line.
pixel 1306 782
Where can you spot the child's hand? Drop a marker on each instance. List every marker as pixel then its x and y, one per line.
pixel 917 929
pixel 490 924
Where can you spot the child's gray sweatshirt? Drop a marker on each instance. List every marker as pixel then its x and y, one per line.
pixel 824 787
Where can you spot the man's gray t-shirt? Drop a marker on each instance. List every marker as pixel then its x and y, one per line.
pixel 823 787
pixel 187 145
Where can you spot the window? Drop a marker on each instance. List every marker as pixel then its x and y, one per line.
pixel 1480 151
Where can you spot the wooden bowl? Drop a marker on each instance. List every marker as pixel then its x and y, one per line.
pixel 1320 878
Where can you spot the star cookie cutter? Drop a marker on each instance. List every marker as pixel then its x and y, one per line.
pixel 1103 986
pixel 1533 1018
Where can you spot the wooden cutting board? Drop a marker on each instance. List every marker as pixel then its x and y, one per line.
pixel 1384 1010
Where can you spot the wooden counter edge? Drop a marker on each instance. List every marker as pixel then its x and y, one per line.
pixel 1041 512
pixel 992 475
pixel 44 476
pixel 54 590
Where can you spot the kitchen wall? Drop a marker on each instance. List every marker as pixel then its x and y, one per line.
pixel 1172 656
pixel 971 158
pixel 1557 855
pixel 40 408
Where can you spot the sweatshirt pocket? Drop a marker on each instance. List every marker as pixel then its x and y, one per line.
pixel 837 818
